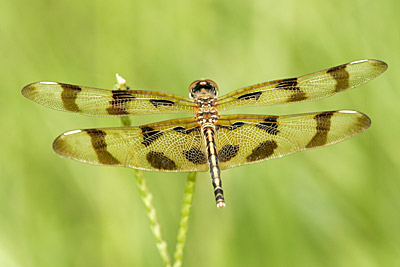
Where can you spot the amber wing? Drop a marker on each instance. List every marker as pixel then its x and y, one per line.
pixel 245 139
pixel 308 87
pixel 173 145
pixel 101 102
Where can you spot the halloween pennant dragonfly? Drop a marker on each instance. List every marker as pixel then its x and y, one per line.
pixel 207 141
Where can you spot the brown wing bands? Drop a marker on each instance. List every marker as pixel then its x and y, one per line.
pixel 101 102
pixel 174 146
pixel 308 87
pixel 246 139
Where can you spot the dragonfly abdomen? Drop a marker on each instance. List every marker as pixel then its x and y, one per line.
pixel 213 164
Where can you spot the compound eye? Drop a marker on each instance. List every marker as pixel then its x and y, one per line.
pixel 193 84
pixel 213 84
pixel 202 85
pixel 192 88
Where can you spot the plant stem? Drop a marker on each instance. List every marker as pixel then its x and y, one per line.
pixel 145 194
pixel 185 216
pixel 147 199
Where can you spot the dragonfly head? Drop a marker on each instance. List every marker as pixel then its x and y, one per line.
pixel 203 88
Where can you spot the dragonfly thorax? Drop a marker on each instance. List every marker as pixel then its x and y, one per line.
pixel 206 115
pixel 203 89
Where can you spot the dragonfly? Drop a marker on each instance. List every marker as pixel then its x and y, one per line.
pixel 207 141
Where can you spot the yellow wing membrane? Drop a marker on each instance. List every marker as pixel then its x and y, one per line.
pixel 173 145
pixel 101 102
pixel 208 141
pixel 308 87
pixel 245 139
pixel 177 145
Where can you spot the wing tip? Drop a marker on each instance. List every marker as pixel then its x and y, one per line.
pixel 363 121
pixel 31 90
pixel 379 65
pixel 58 143
pixel 28 90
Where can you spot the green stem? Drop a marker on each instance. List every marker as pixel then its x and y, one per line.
pixel 185 216
pixel 145 194
pixel 147 199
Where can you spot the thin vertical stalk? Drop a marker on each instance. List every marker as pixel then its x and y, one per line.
pixel 145 194
pixel 185 216
pixel 147 199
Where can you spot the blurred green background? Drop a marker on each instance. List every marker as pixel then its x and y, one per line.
pixel 336 206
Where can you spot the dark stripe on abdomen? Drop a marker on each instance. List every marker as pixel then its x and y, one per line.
pixel 214 167
pixel 212 153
